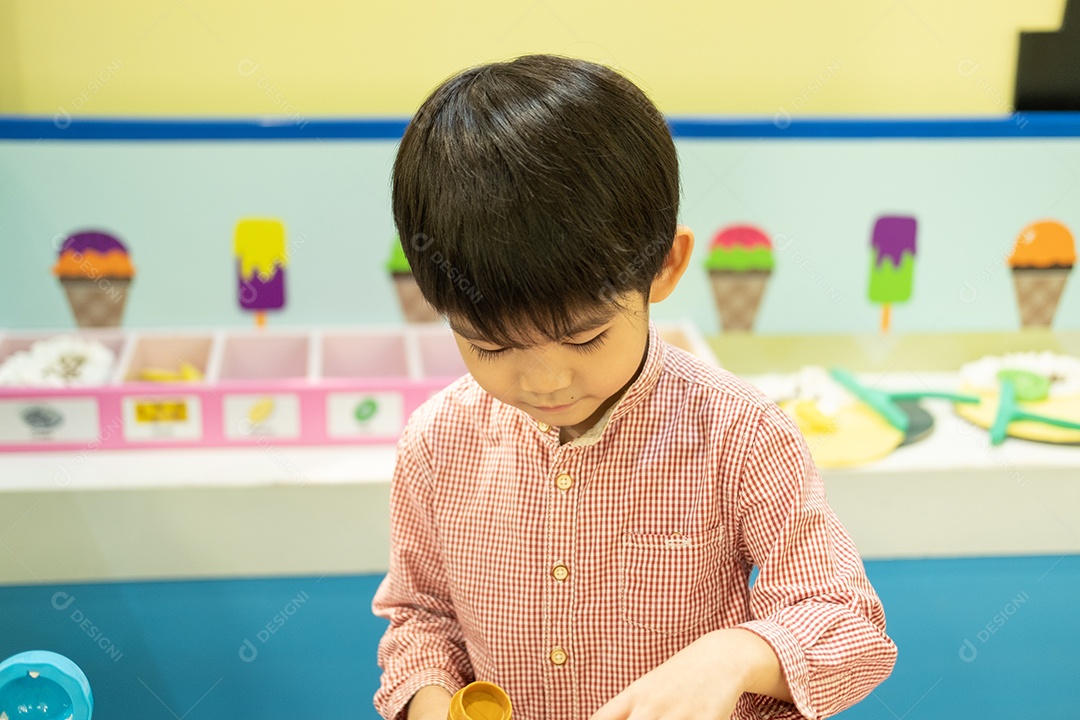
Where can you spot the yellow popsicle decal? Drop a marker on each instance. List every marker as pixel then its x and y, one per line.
pixel 260 246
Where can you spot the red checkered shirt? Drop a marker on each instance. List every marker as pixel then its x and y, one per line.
pixel 563 572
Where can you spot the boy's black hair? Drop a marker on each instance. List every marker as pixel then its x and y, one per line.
pixel 533 193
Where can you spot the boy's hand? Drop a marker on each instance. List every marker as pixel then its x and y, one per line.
pixel 703 680
pixel 430 703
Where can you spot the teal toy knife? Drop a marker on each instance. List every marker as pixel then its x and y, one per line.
pixel 884 403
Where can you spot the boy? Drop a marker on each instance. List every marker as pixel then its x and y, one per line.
pixel 576 519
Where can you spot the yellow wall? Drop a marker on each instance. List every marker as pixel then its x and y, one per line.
pixel 349 57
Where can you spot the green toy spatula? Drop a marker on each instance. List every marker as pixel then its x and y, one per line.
pixel 1017 386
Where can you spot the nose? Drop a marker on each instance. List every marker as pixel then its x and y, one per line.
pixel 543 377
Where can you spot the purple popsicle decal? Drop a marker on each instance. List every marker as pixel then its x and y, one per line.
pixel 893 265
pixel 254 294
pixel 893 236
pixel 260 268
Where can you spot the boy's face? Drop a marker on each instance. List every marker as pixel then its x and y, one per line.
pixel 571 383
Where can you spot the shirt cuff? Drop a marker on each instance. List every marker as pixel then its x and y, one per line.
pixel 400 698
pixel 792 659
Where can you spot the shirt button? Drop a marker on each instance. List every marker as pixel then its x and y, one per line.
pixel 564 482
pixel 558 656
pixel 560 572
pixel 543 427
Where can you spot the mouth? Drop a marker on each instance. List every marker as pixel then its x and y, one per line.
pixel 552 409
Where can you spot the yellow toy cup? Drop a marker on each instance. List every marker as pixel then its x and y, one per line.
pixel 480 701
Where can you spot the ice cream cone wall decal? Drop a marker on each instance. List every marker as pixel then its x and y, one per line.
pixel 892 266
pixel 261 257
pixel 740 263
pixel 1041 261
pixel 95 271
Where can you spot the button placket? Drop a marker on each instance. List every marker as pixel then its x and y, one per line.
pixel 563 507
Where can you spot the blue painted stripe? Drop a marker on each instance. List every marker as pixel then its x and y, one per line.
pixel 1024 125
pixel 1021 125
pixel 173 129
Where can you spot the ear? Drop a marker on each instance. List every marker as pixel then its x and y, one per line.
pixel 675 264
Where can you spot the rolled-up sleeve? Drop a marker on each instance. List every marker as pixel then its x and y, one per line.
pixel 812 601
pixel 423 644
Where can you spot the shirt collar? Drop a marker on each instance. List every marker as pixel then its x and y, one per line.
pixel 643 385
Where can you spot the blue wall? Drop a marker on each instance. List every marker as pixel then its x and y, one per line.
pixel 987 638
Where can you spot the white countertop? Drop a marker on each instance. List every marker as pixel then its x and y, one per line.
pixel 95 515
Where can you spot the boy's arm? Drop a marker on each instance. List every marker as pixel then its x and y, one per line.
pixel 818 638
pixel 430 703
pixel 812 602
pixel 705 679
pixel 423 648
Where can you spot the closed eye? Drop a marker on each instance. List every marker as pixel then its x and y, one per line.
pixel 483 354
pixel 584 347
pixel 590 345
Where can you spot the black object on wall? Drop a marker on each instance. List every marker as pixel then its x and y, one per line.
pixel 1048 66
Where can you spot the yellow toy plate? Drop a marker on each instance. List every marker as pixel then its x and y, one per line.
pixel 1066 408
pixel 854 436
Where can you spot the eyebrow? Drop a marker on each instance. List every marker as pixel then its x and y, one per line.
pixel 588 323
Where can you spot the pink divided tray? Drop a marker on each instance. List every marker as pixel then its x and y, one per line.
pixel 285 387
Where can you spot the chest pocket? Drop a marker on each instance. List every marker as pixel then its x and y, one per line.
pixel 670 582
